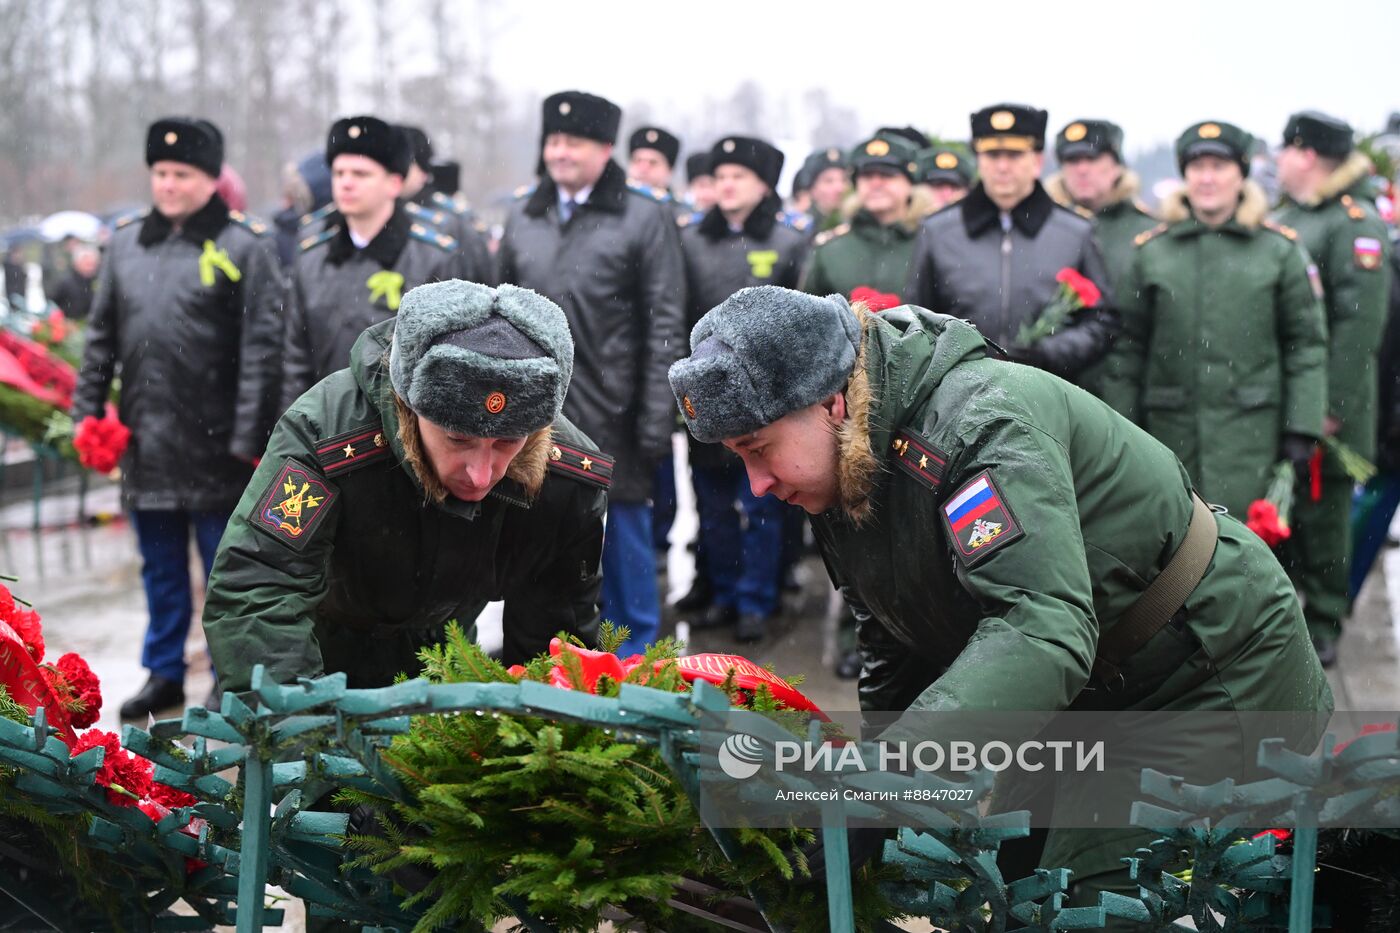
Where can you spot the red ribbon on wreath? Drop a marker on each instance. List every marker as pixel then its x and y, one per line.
pixel 715 668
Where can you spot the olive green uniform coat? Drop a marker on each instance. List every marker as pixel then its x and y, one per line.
pixel 1223 347
pixel 1005 612
pixel 1116 224
pixel 1349 244
pixel 863 251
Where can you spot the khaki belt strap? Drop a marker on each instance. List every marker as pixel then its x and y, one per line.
pixel 1164 596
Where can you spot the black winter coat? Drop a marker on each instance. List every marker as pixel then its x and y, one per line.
pixel 191 320
pixel 337 291
pixel 615 269
pixel 719 262
pixel 964 265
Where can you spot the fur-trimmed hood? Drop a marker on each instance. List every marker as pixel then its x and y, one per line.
pixel 920 206
pixel 1352 170
pixel 910 350
pixel 1254 207
pixel 1126 188
pixel 856 463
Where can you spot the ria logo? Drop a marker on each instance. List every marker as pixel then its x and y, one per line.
pixel 741 756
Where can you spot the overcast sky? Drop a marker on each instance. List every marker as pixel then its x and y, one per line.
pixel 1152 67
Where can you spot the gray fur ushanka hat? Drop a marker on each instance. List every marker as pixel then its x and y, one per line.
pixel 763 353
pixel 481 362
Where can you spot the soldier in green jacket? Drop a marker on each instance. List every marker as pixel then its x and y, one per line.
pixel 431 477
pixel 873 247
pixel 966 507
pixel 1323 180
pixel 1093 178
pixel 1223 352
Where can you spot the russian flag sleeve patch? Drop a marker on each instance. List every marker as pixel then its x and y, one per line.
pixel 979 521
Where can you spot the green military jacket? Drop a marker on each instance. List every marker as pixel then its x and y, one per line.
pixel 864 252
pixel 334 560
pixel 995 519
pixel 1348 241
pixel 1223 347
pixel 1116 224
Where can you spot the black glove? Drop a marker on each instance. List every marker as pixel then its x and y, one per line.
pixel 1298 450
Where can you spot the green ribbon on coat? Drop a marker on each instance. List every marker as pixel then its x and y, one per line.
pixel 387 285
pixel 214 258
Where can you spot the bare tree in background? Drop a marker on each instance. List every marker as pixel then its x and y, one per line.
pixel 81 79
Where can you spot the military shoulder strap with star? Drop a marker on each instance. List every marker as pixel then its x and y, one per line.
pixel 425 235
pixel 457 205
pixel 918 457
pixel 1282 230
pixel 321 213
pixel 582 464
pixel 660 195
pixel 826 236
pixel 1147 236
pixel 129 219
pixel 1354 211
pixel 425 215
pixel 317 239
pixel 352 450
pixel 255 227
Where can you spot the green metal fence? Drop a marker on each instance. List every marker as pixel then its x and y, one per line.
pixel 300 742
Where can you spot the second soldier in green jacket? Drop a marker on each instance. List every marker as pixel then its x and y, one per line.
pixel 967 509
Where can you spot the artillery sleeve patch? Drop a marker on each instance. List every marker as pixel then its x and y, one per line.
pixel 293 505
pixel 979 520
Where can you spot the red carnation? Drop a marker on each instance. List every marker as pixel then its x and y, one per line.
pixel 1263 520
pixel 1081 285
pixel 171 797
pixel 127 777
pixel 875 301
pixel 82 689
pixel 1268 517
pixel 27 625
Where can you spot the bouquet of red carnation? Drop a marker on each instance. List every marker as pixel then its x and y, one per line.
pixel 873 300
pixel 74 694
pixel 1076 293
pixel 100 442
pixel 1268 517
